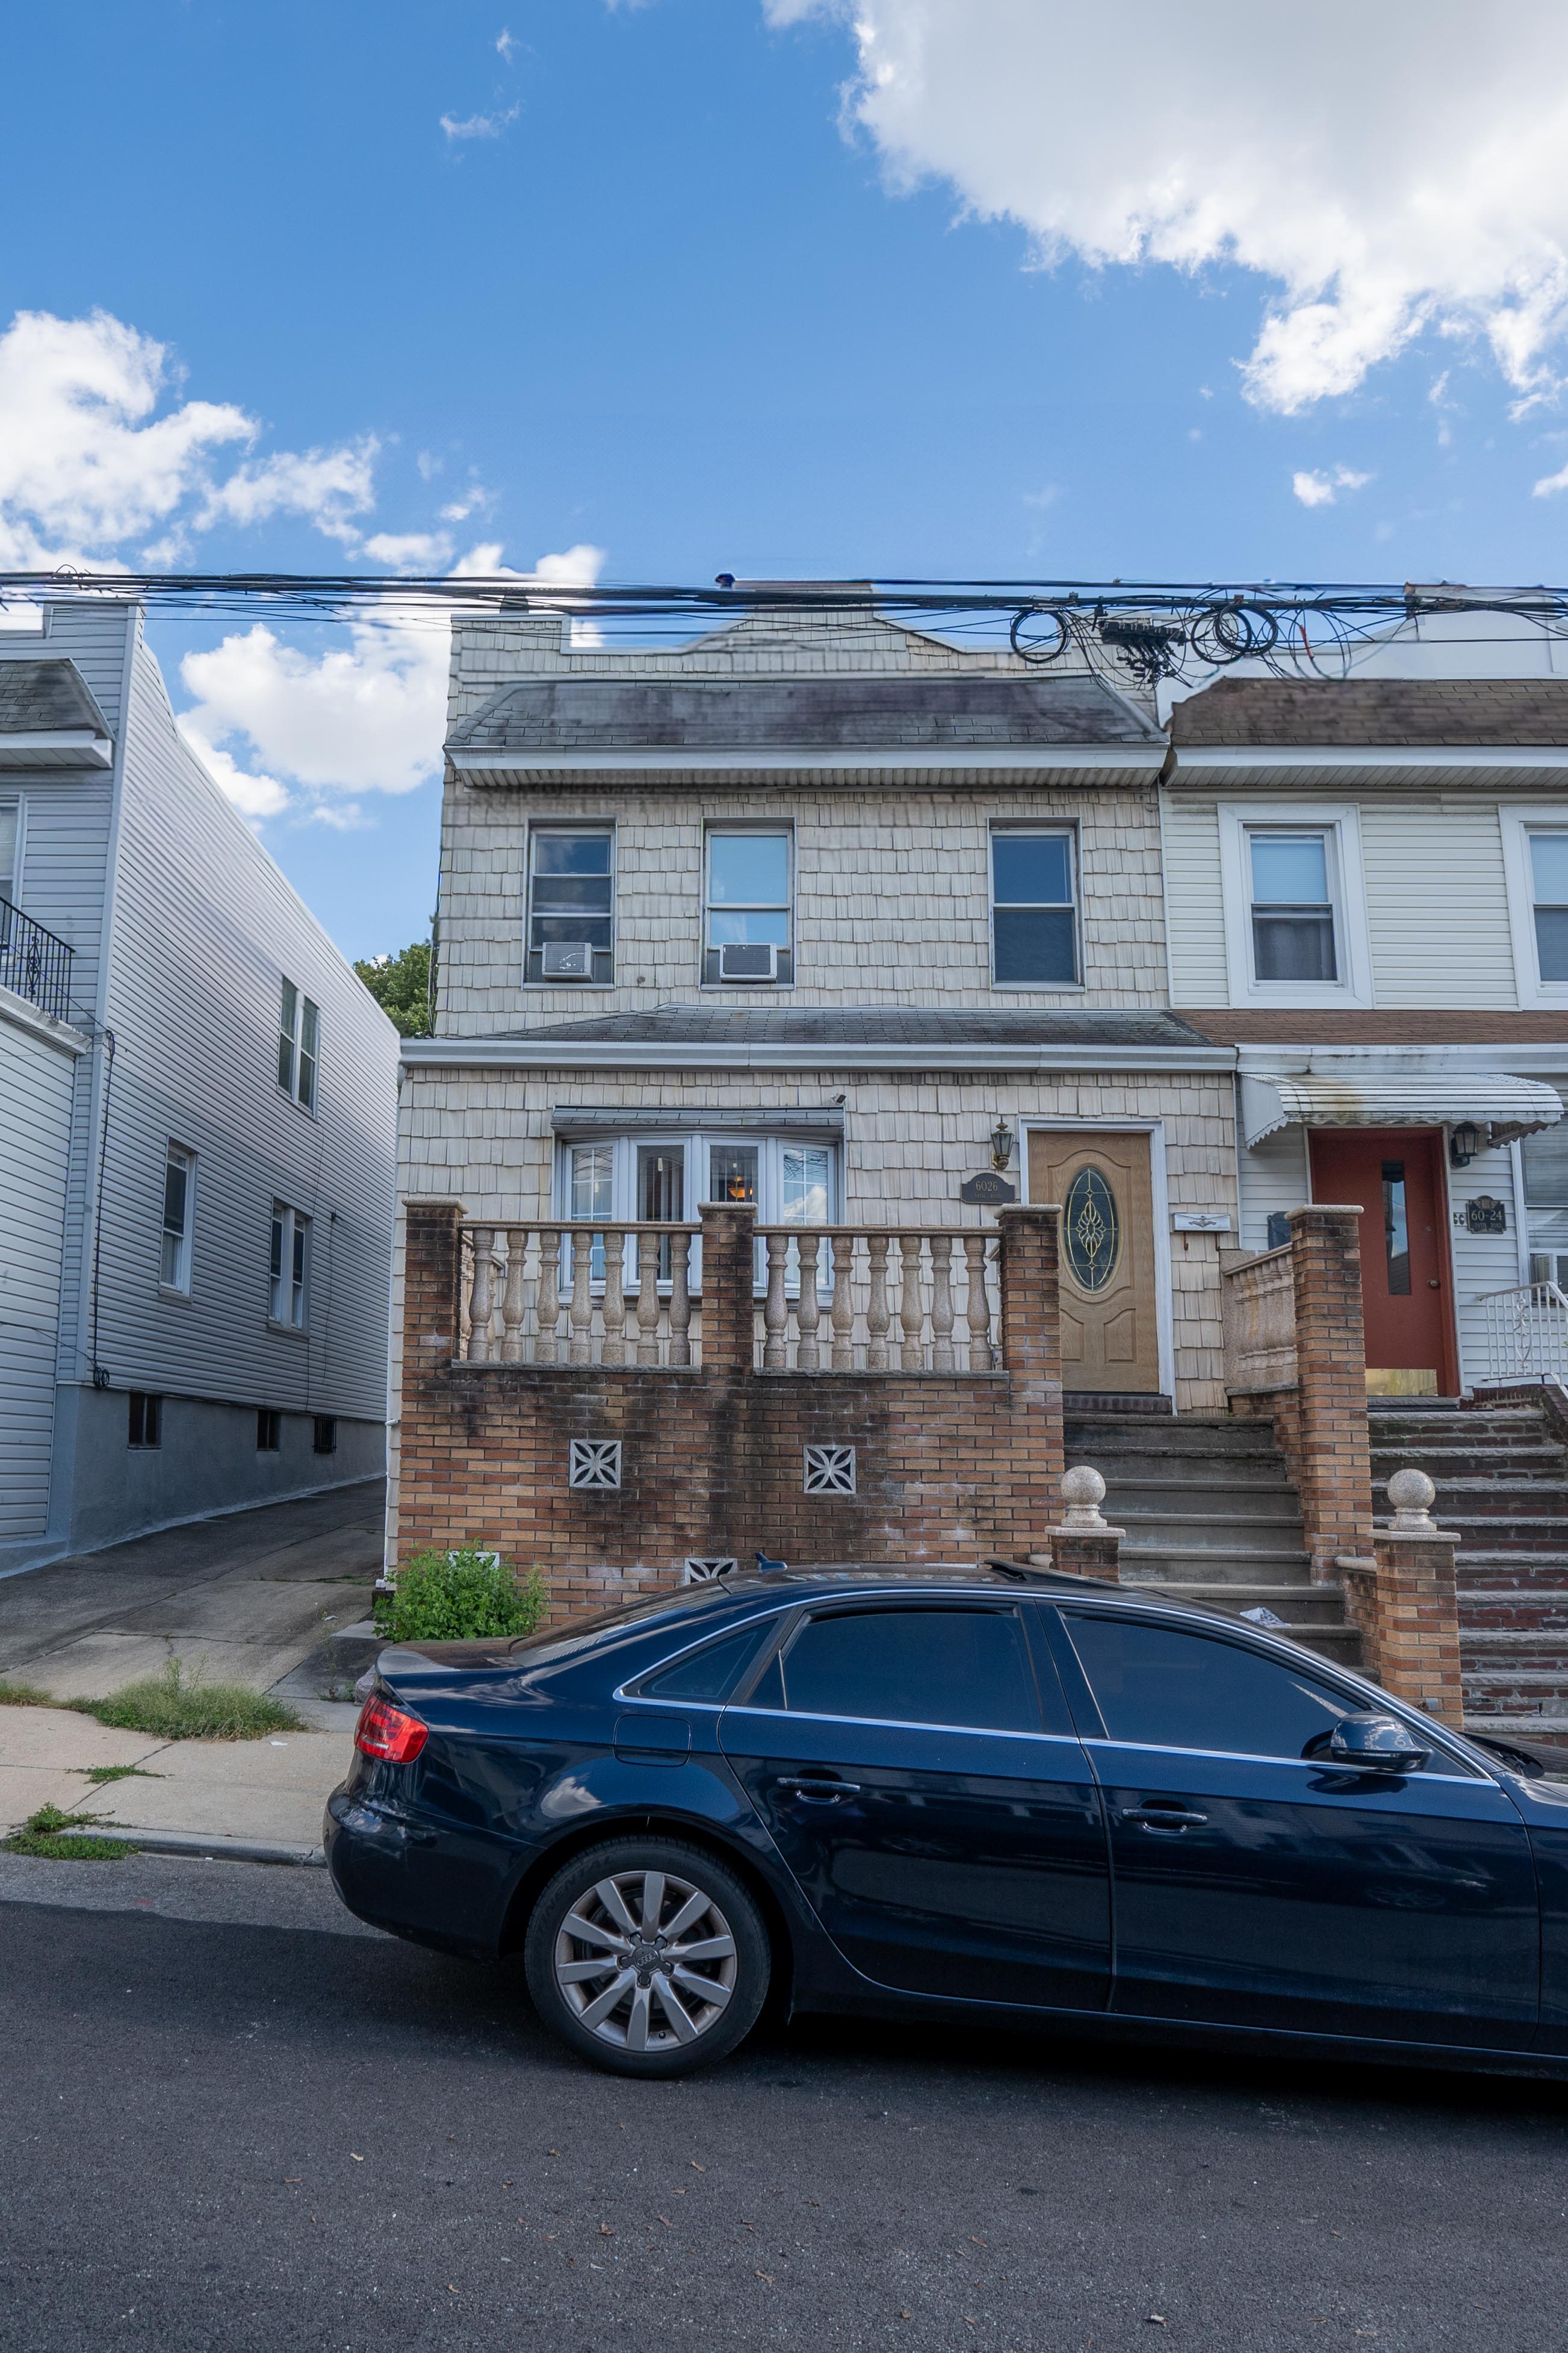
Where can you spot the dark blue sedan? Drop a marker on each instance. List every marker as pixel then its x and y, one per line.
pixel 992 1792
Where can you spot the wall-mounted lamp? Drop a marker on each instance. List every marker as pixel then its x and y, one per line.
pixel 1464 1143
pixel 1001 1144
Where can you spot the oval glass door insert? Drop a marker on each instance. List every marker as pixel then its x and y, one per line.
pixel 1091 1231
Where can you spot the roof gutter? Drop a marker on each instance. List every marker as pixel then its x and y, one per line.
pixel 542 1053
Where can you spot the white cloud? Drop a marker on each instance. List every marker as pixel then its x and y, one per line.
pixel 1383 173
pixel 87 463
pixel 479 126
pixel 367 716
pixel 506 44
pixel 1550 484
pixel 409 550
pixel 1322 490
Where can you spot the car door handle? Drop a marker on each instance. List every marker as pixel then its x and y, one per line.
pixel 816 1788
pixel 1162 1818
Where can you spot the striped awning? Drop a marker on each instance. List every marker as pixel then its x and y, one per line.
pixel 1494 1101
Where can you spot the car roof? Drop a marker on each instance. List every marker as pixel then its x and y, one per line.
pixel 990 1575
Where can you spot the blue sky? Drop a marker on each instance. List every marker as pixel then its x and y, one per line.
pixel 727 284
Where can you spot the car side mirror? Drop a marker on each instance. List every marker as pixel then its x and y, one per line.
pixel 1377 1742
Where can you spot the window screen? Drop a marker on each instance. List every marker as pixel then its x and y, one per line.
pixel 1034 927
pixel 1167 1689
pixel 914 1666
pixel 1292 907
pixel 1549 875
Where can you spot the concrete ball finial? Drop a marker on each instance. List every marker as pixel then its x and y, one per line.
pixel 1412 1494
pixel 1083 1492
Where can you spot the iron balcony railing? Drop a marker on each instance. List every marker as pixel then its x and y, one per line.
pixel 34 963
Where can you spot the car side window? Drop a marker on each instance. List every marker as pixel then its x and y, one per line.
pixel 711 1673
pixel 961 1667
pixel 1165 1688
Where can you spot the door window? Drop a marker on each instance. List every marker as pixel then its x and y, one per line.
pixel 1395 1230
pixel 965 1667
pixel 1161 1687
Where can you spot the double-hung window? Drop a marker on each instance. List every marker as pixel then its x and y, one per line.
pixel 1292 903
pixel 1548 902
pixel 572 905
pixel 1034 911
pixel 299 1046
pixel 290 1268
pixel 179 1214
pixel 747 938
pixel 10 848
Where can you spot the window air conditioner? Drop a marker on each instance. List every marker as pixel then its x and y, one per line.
pixel 567 960
pixel 749 960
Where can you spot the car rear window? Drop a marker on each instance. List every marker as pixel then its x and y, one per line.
pixel 960 1667
pixel 551 1643
pixel 711 1673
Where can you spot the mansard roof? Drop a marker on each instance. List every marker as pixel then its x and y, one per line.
pixel 872 1025
pixel 1264 714
pixel 774 715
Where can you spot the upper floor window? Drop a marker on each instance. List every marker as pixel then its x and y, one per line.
pixel 289 1295
pixel 1295 904
pixel 571 905
pixel 299 1046
pixel 1033 913
pixel 1549 890
pixel 748 926
pixel 179 1212
pixel 1292 904
pixel 10 848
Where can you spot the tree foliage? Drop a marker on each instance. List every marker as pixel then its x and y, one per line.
pixel 400 985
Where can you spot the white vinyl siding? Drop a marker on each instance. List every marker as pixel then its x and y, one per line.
pixel 1194 904
pixel 1274 1176
pixel 1436 903
pixel 36 1082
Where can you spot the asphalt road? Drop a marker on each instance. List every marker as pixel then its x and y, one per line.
pixel 230 2119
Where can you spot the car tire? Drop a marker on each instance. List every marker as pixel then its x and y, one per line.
pixel 647 1956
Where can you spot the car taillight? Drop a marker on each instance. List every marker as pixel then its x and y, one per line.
pixel 386 1732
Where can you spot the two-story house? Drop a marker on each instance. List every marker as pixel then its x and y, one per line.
pixel 197 1146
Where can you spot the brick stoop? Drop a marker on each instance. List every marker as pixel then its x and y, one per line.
pixel 1212 1518
pixel 1502 1475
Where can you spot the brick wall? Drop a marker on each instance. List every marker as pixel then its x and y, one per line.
pixel 949 1466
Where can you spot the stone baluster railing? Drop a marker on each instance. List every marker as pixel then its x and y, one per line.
pixel 880 1290
pixel 577 1294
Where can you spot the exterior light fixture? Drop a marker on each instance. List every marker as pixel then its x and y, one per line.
pixel 1464 1143
pixel 1001 1144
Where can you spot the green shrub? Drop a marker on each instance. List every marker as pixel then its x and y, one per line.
pixel 460 1597
pixel 176 1706
pixel 46 1835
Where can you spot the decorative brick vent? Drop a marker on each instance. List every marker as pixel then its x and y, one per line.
pixel 702 1569
pixel 830 1470
pixel 595 1463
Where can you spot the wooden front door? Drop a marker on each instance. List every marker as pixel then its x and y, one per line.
pixel 1110 1338
pixel 1394 1176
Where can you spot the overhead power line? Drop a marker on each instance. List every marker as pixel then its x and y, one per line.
pixel 1154 629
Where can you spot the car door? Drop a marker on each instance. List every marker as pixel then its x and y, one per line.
pixel 940 1818
pixel 1257 1885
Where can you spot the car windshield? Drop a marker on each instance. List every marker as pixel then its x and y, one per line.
pixel 553 1642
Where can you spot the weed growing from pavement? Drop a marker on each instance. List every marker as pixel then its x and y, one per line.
pixel 99 1774
pixel 19 1694
pixel 176 1706
pixel 48 1836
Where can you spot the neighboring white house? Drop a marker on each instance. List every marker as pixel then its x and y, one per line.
pixel 198 1121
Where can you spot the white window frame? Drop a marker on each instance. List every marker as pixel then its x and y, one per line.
pixel 286 1291
pixel 770 1148
pixel 1062 831
pixel 719 829
pixel 179 1282
pixel 307 1022
pixel 1238 820
pixel 11 887
pixel 543 826
pixel 1518 824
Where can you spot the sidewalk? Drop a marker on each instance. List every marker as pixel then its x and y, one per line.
pixel 278 1598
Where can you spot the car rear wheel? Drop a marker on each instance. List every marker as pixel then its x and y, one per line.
pixel 647 1956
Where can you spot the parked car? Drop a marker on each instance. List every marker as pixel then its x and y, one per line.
pixel 993 1794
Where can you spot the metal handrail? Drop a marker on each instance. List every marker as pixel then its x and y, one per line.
pixel 34 963
pixel 1526 1333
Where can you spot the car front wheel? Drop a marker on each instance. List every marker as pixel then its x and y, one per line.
pixel 647 1956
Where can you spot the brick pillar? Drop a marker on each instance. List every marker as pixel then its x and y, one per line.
pixel 728 1258
pixel 1083 1544
pixel 1031 1356
pixel 1334 1466
pixel 432 1264
pixel 1407 1606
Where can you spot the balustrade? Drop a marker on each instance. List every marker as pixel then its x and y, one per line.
pixel 878 1300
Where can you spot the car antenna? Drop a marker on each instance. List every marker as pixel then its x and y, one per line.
pixel 767 1567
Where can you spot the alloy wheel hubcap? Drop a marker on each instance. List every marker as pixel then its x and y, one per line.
pixel 646 1961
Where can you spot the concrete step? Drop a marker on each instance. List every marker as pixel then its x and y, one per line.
pixel 1303 1605
pixel 1226 1563
pixel 1129 1434
pixel 1203 1484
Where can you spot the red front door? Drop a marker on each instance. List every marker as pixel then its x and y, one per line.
pixel 1395 1175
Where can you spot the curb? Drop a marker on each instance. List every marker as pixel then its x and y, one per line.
pixel 212 1849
